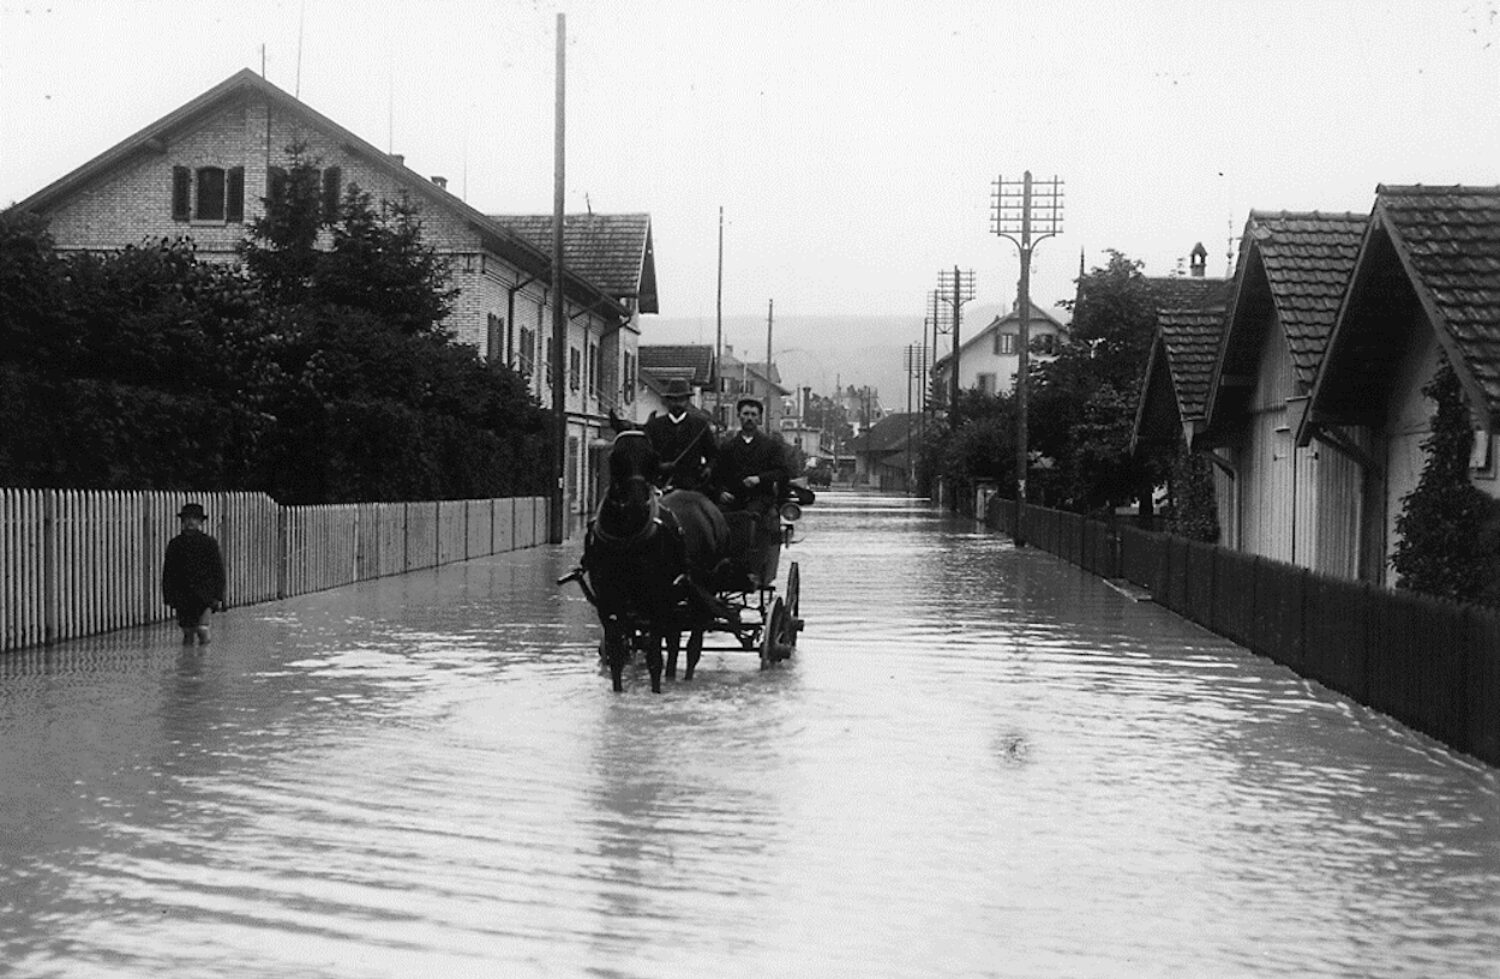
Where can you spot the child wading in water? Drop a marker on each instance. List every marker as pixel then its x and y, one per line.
pixel 192 576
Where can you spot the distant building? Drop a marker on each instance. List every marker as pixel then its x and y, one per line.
pixel 743 378
pixel 989 359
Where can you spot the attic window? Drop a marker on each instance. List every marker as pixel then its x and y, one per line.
pixel 209 194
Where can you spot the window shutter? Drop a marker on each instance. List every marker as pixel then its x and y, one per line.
pixel 182 193
pixel 234 196
pixel 331 193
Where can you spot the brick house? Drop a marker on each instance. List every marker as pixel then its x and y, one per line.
pixel 202 170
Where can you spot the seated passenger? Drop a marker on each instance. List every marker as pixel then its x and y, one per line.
pixel 751 465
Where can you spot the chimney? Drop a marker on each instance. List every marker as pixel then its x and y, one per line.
pixel 1199 266
pixel 443 183
pixel 398 159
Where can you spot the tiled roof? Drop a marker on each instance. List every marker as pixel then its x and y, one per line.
pixel 1308 257
pixel 694 361
pixel 511 245
pixel 1187 291
pixel 1192 343
pixel 1450 236
pixel 613 251
pixel 889 434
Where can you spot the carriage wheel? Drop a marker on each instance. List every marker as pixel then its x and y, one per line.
pixel 794 591
pixel 773 640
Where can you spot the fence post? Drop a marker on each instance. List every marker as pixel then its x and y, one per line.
pixel 283 546
pixel 49 566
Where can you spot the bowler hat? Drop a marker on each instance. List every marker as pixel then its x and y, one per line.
pixel 192 510
pixel 676 388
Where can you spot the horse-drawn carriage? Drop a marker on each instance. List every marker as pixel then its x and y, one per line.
pixel 661 565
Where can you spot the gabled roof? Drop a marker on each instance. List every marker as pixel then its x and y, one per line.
pixel 1186 291
pixel 692 361
pixel 613 251
pixel 1190 339
pixel 244 85
pixel 1293 268
pixel 998 324
pixel 1445 243
pixel 1180 368
pixel 890 434
pixel 731 366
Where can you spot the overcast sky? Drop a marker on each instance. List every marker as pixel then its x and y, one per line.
pixel 851 145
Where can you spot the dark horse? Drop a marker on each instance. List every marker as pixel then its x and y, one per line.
pixel 651 560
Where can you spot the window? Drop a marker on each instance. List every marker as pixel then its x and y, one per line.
pixel 1045 344
pixel 208 194
pixel 575 369
pixel 1005 343
pixel 596 390
pixel 986 384
pixel 627 386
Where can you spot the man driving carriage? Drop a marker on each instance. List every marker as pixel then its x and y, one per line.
pixel 683 440
pixel 746 483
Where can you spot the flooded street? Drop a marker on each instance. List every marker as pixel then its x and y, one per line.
pixel 980 762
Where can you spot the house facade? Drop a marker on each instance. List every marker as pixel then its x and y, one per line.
pixel 1275 499
pixel 740 378
pixel 1425 285
pixel 989 360
pixel 203 170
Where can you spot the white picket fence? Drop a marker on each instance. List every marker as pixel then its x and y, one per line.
pixel 80 562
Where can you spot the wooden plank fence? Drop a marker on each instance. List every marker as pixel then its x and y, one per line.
pixel 80 562
pixel 1433 665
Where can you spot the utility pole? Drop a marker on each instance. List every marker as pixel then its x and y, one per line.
pixel 1021 211
pixel 916 374
pixel 559 314
pixel 770 395
pixel 719 330
pixel 956 288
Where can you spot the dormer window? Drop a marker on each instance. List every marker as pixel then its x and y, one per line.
pixel 212 195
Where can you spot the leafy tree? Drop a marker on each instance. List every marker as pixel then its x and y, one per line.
pixel 373 399
pixel 316 375
pixel 1449 530
pixel 1083 402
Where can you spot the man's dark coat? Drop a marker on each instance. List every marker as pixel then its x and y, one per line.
pixel 687 448
pixel 762 456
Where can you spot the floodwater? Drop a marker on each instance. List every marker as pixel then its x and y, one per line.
pixel 980 762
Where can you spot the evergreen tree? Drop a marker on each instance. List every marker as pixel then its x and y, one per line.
pixel 1449 542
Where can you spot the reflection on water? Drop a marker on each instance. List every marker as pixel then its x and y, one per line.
pixel 981 762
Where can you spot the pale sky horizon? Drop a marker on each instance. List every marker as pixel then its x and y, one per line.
pixel 852 146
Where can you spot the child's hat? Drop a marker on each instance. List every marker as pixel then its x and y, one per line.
pixel 193 510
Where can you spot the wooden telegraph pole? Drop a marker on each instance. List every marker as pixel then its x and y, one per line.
pixel 770 396
pixel 955 288
pixel 559 314
pixel 1021 212
pixel 719 331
